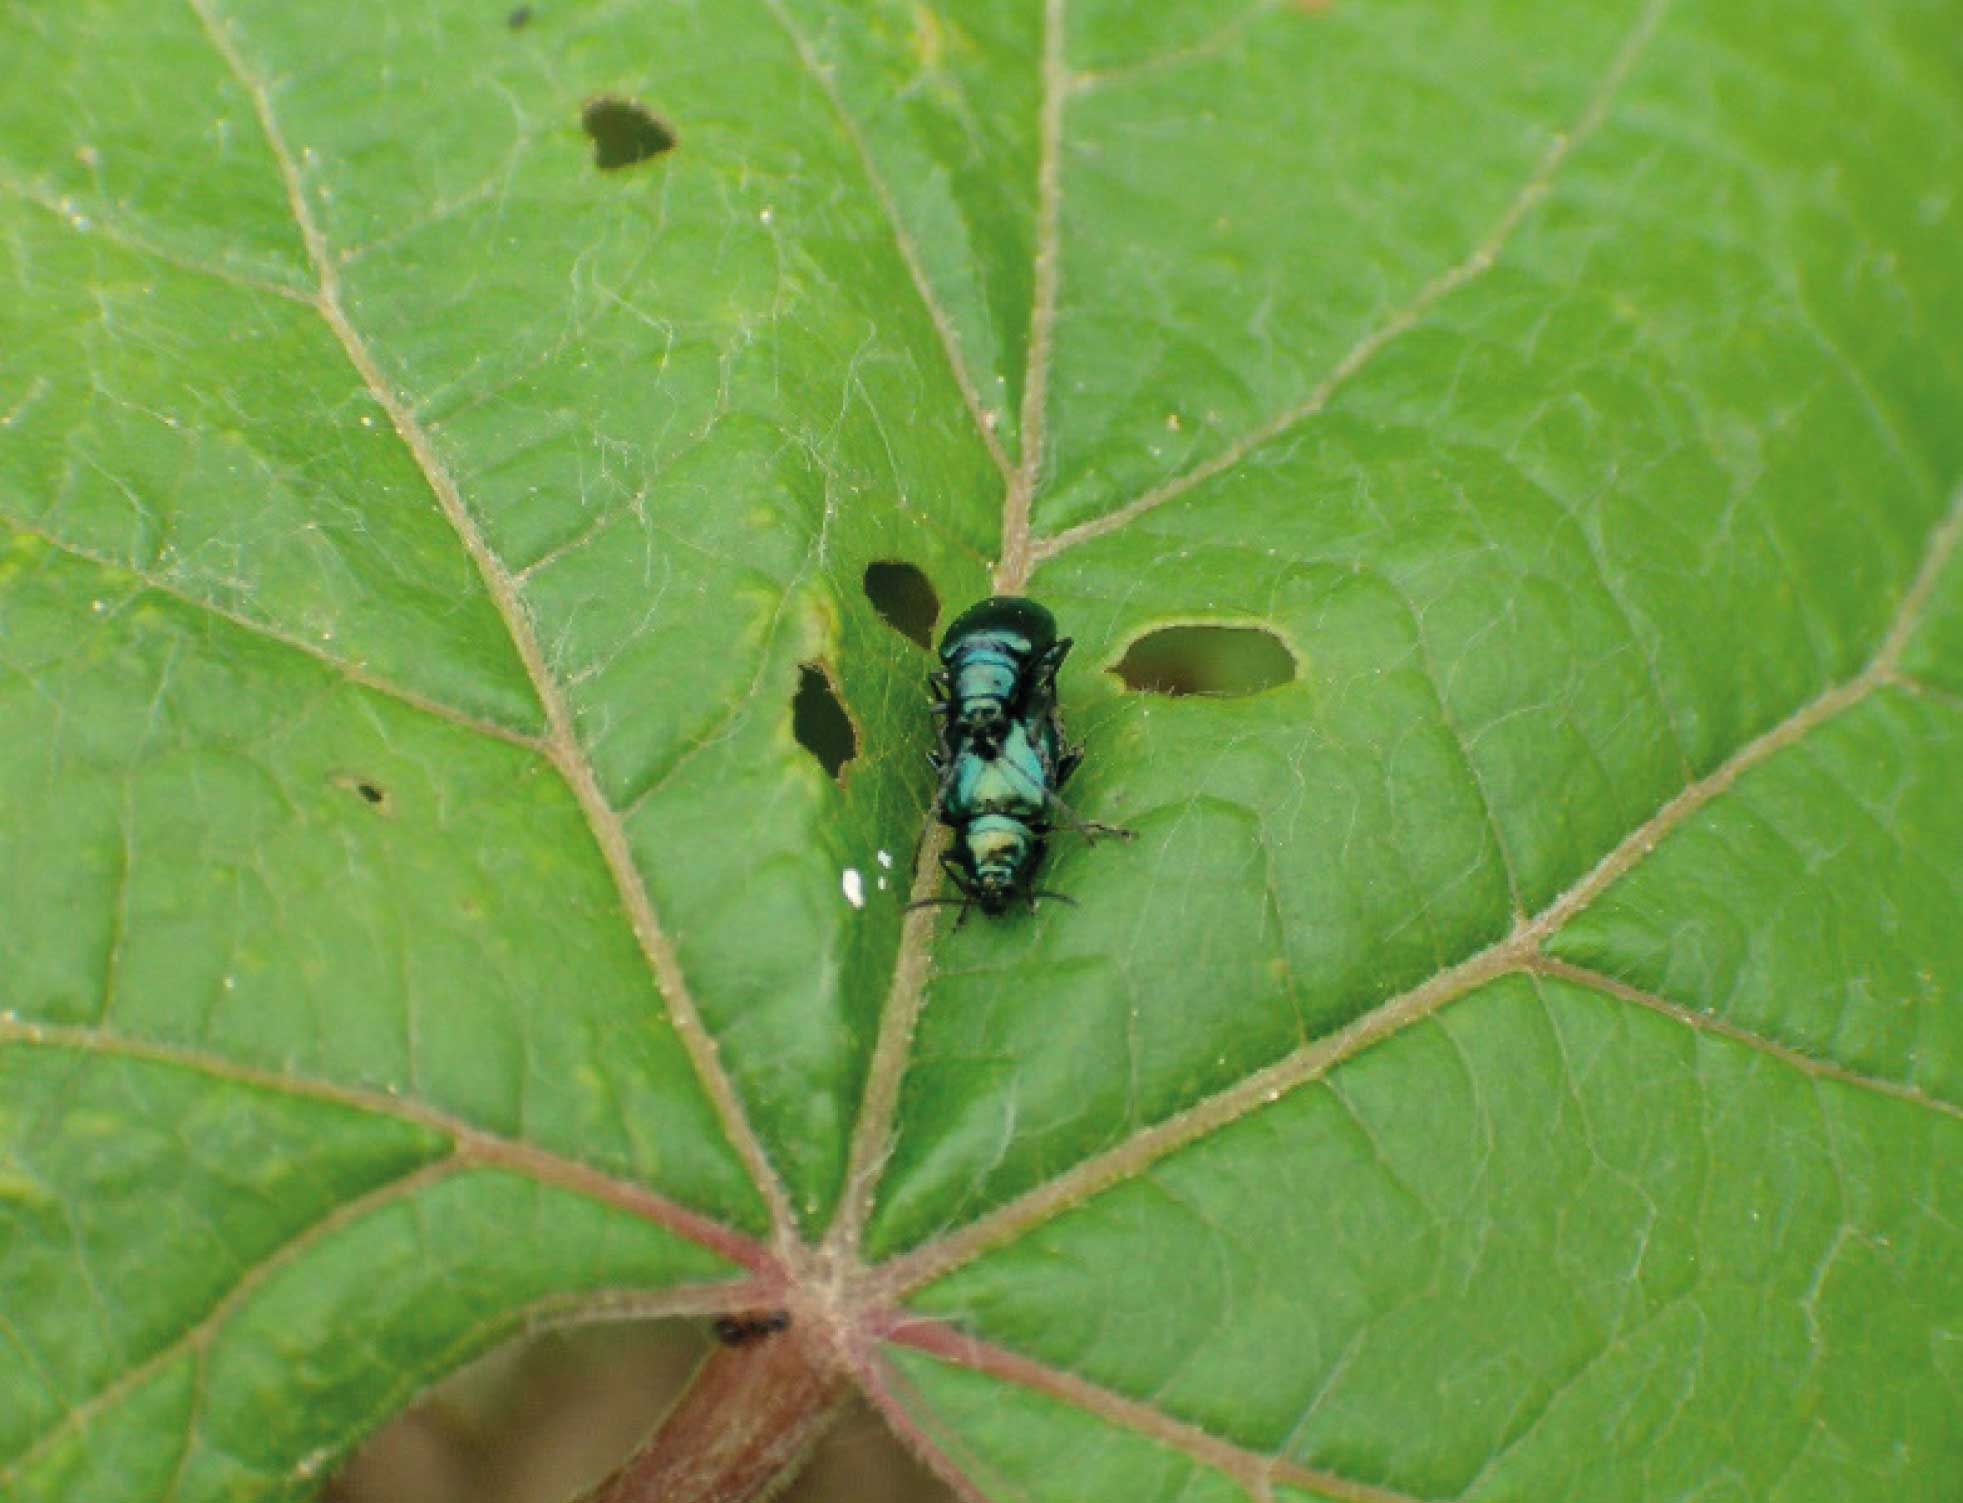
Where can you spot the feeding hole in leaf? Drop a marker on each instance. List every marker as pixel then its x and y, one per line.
pixel 819 721
pixel 1219 660
pixel 372 794
pixel 623 132
pixel 519 18
pixel 904 599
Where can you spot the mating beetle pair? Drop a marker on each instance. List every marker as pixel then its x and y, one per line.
pixel 1002 755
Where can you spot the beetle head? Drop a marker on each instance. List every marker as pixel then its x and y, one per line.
pixel 999 851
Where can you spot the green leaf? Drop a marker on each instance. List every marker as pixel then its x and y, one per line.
pixel 1519 1055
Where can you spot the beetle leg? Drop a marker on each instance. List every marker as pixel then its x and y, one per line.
pixel 1067 763
pixel 1051 658
pixel 944 767
pixel 1044 669
pixel 960 880
pixel 1038 691
pixel 1088 828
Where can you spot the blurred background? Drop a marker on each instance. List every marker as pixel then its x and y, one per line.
pixel 543 1418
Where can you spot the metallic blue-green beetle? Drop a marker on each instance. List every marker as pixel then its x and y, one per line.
pixel 1002 754
pixel 998 663
pixel 999 809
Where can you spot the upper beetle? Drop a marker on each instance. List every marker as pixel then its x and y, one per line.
pixel 998 665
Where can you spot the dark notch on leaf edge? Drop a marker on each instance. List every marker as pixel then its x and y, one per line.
pixel 623 132
pixel 1221 661
pixel 904 598
pixel 820 722
pixel 749 1326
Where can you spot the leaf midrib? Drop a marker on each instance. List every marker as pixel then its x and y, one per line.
pixel 872 1131
pixel 1022 553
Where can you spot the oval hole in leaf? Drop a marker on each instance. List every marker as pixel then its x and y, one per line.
pixel 1222 660
pixel 520 18
pixel 904 599
pixel 819 721
pixel 623 132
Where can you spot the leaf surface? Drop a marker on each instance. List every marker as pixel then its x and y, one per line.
pixel 1517 1058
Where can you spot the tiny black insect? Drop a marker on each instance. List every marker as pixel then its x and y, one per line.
pixel 741 1330
pixel 1002 755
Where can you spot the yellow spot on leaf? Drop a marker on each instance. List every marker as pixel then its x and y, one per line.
pixel 929 37
pixel 23 1189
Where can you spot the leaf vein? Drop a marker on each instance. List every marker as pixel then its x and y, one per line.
pixel 902 239
pixel 561 742
pixel 353 672
pixel 1481 260
pixel 1254 1470
pixel 1018 555
pixel 1706 1022
pixel 1462 744
pixel 194 1336
pixel 129 240
pixel 873 1130
pixel 1519 952
pixel 476 1145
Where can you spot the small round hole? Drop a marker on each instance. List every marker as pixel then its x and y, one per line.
pixel 904 599
pixel 623 132
pixel 1220 660
pixel 372 794
pixel 819 721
